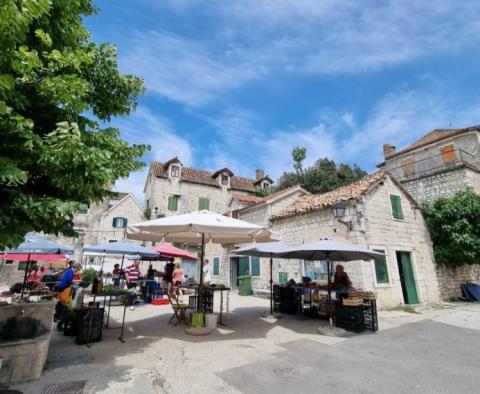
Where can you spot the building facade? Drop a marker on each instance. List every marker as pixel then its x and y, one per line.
pixel 440 164
pixel 377 213
pixel 172 189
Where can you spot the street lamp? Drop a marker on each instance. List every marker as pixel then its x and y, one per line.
pixel 338 211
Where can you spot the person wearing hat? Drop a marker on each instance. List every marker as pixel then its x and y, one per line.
pixel 67 276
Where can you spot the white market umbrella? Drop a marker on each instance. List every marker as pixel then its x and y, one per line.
pixel 199 227
pixel 266 249
pixel 330 250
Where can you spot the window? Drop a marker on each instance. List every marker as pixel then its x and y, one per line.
pixel 265 185
pixel 255 265
pixel 216 266
pixel 148 203
pixel 282 278
pixel 397 210
pixel 408 166
pixel 448 153
pixel 203 203
pixel 224 180
pixel 83 209
pixel 172 203
pixel 381 269
pixel 119 222
pixel 175 171
pixel 111 241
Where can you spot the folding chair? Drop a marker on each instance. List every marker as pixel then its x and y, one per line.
pixel 179 310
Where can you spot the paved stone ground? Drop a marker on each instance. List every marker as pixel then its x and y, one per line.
pixel 434 351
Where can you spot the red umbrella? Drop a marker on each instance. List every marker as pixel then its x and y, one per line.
pixel 167 250
pixel 41 257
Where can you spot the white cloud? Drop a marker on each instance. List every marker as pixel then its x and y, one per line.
pixel 185 70
pixel 143 127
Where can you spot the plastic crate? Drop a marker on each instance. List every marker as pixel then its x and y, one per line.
pixel 160 301
pixel 91 322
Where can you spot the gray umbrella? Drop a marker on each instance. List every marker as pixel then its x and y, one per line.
pixel 37 245
pixel 330 250
pixel 266 249
pixel 123 247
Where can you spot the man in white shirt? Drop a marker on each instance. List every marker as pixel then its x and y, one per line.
pixel 207 277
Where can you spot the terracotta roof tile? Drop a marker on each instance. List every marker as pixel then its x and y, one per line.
pixel 315 202
pixel 203 177
pixel 247 198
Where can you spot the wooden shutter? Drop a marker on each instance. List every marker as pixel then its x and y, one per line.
pixel 125 221
pixel 408 166
pixel 255 262
pixel 243 266
pixel 172 203
pixel 381 270
pixel 397 210
pixel 114 222
pixel 448 153
pixel 282 278
pixel 203 203
pixel 216 266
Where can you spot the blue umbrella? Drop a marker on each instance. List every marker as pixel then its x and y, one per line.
pixel 37 245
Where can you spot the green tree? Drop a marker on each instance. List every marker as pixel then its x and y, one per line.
pixel 454 225
pixel 56 89
pixel 324 175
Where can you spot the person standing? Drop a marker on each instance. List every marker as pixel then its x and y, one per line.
pixel 168 273
pixel 178 278
pixel 132 274
pixel 207 276
pixel 116 275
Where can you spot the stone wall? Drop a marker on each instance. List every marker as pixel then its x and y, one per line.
pixel 450 279
pixel 442 184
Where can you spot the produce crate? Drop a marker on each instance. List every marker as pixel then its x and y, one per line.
pixel 370 315
pixel 350 318
pixel 160 301
pixel 92 320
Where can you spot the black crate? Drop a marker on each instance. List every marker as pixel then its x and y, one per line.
pixel 370 315
pixel 350 318
pixel 91 322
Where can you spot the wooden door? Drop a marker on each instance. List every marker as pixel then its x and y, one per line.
pixel 407 278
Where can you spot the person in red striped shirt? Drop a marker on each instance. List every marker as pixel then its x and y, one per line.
pixel 132 274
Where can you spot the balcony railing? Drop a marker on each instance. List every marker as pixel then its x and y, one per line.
pixel 411 169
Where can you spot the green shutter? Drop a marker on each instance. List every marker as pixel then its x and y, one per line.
pixel 114 222
pixel 203 203
pixel 397 210
pixel 172 203
pixel 216 266
pixel 255 261
pixel 381 270
pixel 125 221
pixel 282 278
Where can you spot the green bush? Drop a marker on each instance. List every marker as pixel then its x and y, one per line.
pixel 454 225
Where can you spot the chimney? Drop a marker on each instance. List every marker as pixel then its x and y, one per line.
pixel 259 174
pixel 388 150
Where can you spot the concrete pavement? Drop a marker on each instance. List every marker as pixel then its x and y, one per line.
pixel 435 351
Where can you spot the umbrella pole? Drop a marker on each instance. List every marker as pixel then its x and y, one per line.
pixel 200 290
pixel 329 279
pixel 271 284
pixel 25 276
pixel 101 267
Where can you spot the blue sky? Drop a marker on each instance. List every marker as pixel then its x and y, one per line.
pixel 240 83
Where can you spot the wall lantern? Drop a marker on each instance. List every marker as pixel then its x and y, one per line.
pixel 339 210
pixel 156 211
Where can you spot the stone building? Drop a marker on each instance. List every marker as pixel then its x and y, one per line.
pixel 440 164
pixel 377 213
pixel 172 189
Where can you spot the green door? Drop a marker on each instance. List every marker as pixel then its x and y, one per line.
pixel 407 278
pixel 243 266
